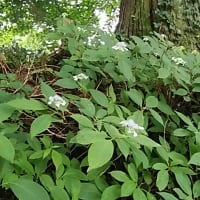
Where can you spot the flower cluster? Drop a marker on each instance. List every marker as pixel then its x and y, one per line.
pixel 57 101
pixel 122 46
pixel 132 126
pixel 80 76
pixel 178 61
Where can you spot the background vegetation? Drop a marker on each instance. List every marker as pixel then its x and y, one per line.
pixel 86 114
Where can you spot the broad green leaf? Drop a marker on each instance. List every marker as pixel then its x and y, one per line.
pixel 151 102
pixel 99 97
pixel 40 124
pixel 27 189
pixel 184 118
pixel 127 188
pixel 125 67
pixel 144 140
pixel 82 120
pixel 195 159
pixel 165 108
pixel 132 171
pixel 139 194
pixel 123 146
pixel 119 175
pixel 150 196
pixel 47 91
pixel 160 166
pixel 163 73
pixel 88 136
pixel 162 179
pixel 136 96
pixel 181 92
pixel 86 107
pixel 6 111
pixel 100 153
pixel 196 190
pixel 89 192
pixel 101 183
pixel 180 132
pixel 7 150
pixel 111 193
pixel 56 158
pixel 46 181
pixel 167 196
pixel 73 186
pixel 112 131
pixel 140 158
pixel 181 194
pixel 67 83
pixel 157 116
pixel 27 104
pixel 184 182
pixel 59 193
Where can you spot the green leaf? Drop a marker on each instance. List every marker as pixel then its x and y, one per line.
pixel 111 193
pixel 6 111
pixel 59 193
pixel 181 92
pixel 40 124
pixel 184 118
pixel 184 182
pixel 139 194
pixel 144 140
pixel 162 179
pixel 196 190
pixel 120 176
pixel 99 97
pixel 163 73
pixel 7 150
pixel 67 83
pixel 160 166
pixel 180 132
pixel 167 196
pixel 47 91
pixel 112 131
pixel 27 189
pixel 88 136
pixel 156 116
pixel 151 102
pixel 127 188
pixel 136 96
pixel 27 104
pixel 100 153
pixel 89 192
pixel 132 171
pixel 123 146
pixel 46 181
pixel 86 107
pixel 125 67
pixel 56 158
pixel 83 121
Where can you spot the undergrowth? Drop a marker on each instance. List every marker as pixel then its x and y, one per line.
pixel 113 120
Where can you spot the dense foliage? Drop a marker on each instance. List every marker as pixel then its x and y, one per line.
pixel 116 120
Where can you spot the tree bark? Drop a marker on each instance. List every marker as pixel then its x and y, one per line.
pixel 136 17
pixel 178 20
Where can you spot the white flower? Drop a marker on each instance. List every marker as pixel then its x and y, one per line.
pixel 122 46
pixel 145 39
pixel 57 100
pixel 132 126
pixel 80 76
pixel 178 61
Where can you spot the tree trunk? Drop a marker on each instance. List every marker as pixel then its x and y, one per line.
pixel 136 17
pixel 179 20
